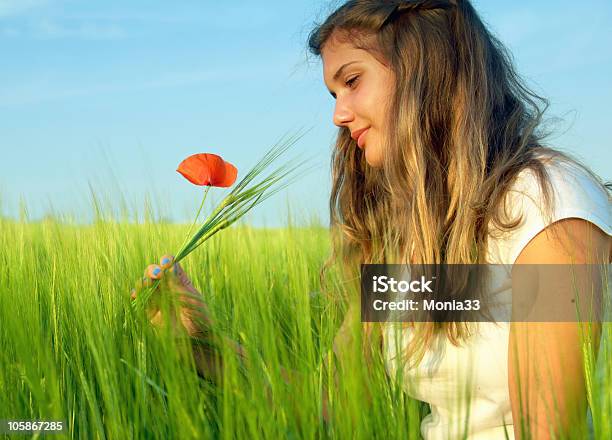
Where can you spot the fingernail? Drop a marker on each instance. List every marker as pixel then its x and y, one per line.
pixel 156 271
pixel 165 260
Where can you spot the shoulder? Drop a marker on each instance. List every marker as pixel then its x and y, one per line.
pixel 576 194
pixel 574 189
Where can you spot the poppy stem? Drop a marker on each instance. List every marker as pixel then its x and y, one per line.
pixel 209 224
pixel 194 222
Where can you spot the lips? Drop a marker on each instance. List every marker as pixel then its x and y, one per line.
pixel 359 136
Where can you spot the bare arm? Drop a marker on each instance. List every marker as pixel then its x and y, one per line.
pixel 207 356
pixel 546 373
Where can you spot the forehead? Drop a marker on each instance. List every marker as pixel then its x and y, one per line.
pixel 337 52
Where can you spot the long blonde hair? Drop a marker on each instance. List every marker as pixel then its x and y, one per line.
pixel 461 126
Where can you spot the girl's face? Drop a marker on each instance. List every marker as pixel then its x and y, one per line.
pixel 362 87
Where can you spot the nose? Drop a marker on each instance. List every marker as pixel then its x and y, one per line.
pixel 342 113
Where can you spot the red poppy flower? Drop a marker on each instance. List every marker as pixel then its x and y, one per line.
pixel 207 169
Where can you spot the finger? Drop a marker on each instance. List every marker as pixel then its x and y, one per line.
pixel 140 284
pixel 154 272
pixel 166 261
pixel 172 275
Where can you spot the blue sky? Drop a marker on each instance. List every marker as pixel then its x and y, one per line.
pixel 113 95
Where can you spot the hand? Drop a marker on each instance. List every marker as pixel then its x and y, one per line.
pixel 188 311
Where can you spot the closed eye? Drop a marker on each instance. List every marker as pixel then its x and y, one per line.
pixel 351 82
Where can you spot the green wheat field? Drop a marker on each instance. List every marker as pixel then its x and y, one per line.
pixel 73 349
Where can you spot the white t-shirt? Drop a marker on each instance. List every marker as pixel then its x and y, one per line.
pixel 449 376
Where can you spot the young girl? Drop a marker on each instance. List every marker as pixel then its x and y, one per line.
pixel 438 153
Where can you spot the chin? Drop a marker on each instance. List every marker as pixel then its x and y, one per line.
pixel 373 160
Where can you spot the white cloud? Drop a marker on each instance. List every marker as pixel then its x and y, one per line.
pixel 88 31
pixel 10 32
pixel 52 29
pixel 41 90
pixel 16 7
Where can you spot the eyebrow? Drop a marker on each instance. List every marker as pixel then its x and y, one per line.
pixel 338 73
pixel 341 69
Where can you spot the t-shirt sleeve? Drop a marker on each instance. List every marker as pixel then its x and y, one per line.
pixel 576 195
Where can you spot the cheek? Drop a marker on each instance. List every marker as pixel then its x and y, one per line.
pixel 374 105
pixel 366 103
pixel 385 98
